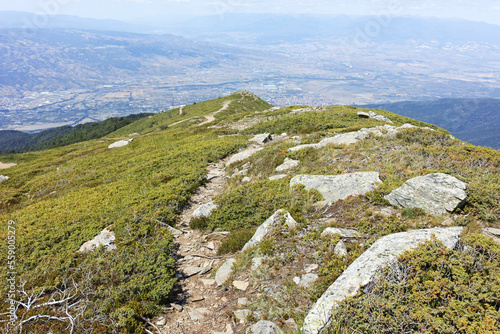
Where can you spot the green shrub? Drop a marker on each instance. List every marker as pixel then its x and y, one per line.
pixel 236 240
pixel 431 290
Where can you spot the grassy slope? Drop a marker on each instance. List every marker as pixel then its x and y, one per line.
pixel 63 197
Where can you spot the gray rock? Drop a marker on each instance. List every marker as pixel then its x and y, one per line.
pixel 256 263
pixel 268 225
pixel 355 136
pixel 335 187
pixel 436 193
pixel 241 285
pixel 204 210
pixel 343 232
pixel 174 231
pixel 362 270
pixel 224 271
pixel 161 321
pixel 242 315
pixel 244 155
pixel 340 249
pixel 312 267
pixel 264 327
pixel 262 138
pixel 191 270
pixel 307 280
pixel 246 179
pixel 277 177
pixel 3 178
pixel 362 114
pixel 379 117
pixel 291 324
pixel 106 238
pixel 121 143
pixel 287 164
pixel 242 302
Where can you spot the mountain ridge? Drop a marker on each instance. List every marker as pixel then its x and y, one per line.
pixel 162 270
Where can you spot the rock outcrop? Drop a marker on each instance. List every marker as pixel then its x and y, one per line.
pixel 355 136
pixel 244 155
pixel 106 238
pixel 335 187
pixel 262 138
pixel 204 210
pixel 373 115
pixel 268 225
pixel 436 193
pixel 287 164
pixel 121 143
pixel 361 272
pixel 223 273
pixel 264 327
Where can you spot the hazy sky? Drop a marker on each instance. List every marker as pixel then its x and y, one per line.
pixel 477 10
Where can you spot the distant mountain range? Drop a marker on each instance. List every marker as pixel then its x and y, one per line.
pixel 473 120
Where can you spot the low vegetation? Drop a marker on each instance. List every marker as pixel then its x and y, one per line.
pixel 430 290
pixel 62 197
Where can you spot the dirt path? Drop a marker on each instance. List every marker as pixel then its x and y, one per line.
pixel 211 118
pixel 199 306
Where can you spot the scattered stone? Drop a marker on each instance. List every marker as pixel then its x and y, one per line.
pixel 241 285
pixel 121 143
pixel 196 314
pixel 384 251
pixel 207 282
pixel 224 271
pixel 494 231
pixel 307 280
pixel 264 327
pixel 3 178
pixel 256 263
pixel 244 155
pixel 296 280
pixel 204 210
pixel 262 138
pixel 205 270
pixel 229 330
pixel 106 238
pixel 242 315
pixel 191 271
pixel 435 193
pixel 242 302
pixel 379 117
pixel 340 249
pixel 335 187
pixel 268 225
pixel 174 231
pixel 355 136
pixel 277 177
pixel 246 179
pixel 177 307
pixel 287 164
pixel 211 245
pixel 344 232
pixel 290 324
pixel 362 114
pixel 310 268
pixel 161 322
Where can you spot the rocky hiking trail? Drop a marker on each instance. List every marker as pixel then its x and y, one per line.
pixel 200 305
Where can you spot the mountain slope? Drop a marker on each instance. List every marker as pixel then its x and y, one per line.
pixel 17 141
pixel 58 199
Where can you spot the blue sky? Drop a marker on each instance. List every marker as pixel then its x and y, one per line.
pixel 477 10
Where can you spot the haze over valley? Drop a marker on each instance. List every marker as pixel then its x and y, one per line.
pixel 63 74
